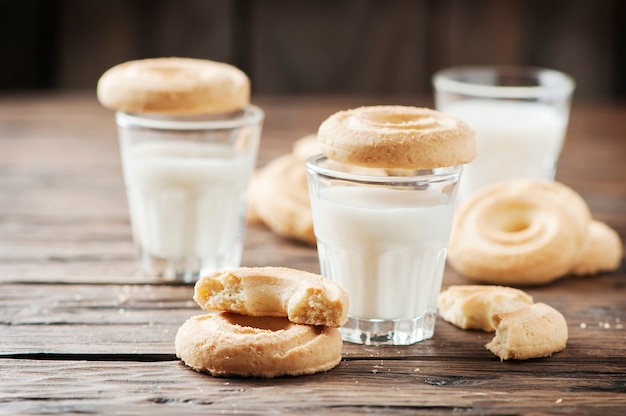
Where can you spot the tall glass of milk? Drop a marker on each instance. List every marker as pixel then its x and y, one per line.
pixel 519 114
pixel 383 238
pixel 186 181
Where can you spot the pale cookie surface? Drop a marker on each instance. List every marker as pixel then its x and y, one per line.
pixel 519 232
pixel 302 297
pixel 533 331
pixel 306 146
pixel 473 306
pixel 604 251
pixel 281 198
pixel 396 137
pixel 227 344
pixel 254 195
pixel 292 218
pixel 174 86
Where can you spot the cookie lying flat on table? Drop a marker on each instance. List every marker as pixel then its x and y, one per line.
pixel 604 251
pixel 281 198
pixel 533 331
pixel 519 232
pixel 226 344
pixel 523 329
pixel 278 195
pixel 473 306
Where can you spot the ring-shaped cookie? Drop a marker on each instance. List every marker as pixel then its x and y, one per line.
pixel 174 86
pixel 519 232
pixel 306 147
pixel 604 251
pixel 227 344
pixel 396 137
pixel 281 198
pixel 302 297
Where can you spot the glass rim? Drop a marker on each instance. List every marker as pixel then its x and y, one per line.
pixel 552 83
pixel 250 115
pixel 441 174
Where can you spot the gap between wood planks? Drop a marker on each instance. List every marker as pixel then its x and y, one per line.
pixel 144 358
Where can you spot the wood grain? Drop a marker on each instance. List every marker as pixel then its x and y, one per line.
pixel 392 388
pixel 82 332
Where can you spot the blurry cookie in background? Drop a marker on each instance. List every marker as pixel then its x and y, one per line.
pixel 530 232
pixel 278 196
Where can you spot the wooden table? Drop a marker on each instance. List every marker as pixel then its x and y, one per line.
pixel 82 332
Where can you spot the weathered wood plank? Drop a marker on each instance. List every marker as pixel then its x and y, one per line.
pixel 62 387
pixel 81 331
pixel 143 319
pixel 99 249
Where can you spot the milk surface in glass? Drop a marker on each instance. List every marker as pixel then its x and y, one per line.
pixel 185 199
pixel 514 139
pixel 385 247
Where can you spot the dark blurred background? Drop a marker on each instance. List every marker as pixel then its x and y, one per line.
pixel 372 47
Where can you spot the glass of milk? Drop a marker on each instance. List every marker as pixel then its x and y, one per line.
pixel 186 181
pixel 384 239
pixel 520 115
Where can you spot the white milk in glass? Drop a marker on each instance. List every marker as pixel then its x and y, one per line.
pixel 386 247
pixel 186 199
pixel 514 139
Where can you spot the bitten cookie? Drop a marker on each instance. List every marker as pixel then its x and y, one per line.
pixel 532 331
pixel 473 306
pixel 396 137
pixel 523 329
pixel 227 344
pixel 174 86
pixel 302 297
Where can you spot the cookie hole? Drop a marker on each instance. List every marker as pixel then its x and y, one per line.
pixel 268 323
pixel 511 217
pixel 515 225
pixel 511 223
pixel 401 120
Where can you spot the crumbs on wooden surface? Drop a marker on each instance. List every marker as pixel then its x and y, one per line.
pixel 616 324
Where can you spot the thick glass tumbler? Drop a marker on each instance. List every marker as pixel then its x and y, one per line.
pixel 186 180
pixel 519 114
pixel 383 238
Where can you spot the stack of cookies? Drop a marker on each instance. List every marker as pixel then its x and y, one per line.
pixel 264 322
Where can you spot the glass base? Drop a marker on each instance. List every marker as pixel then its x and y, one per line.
pixel 389 332
pixel 181 270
